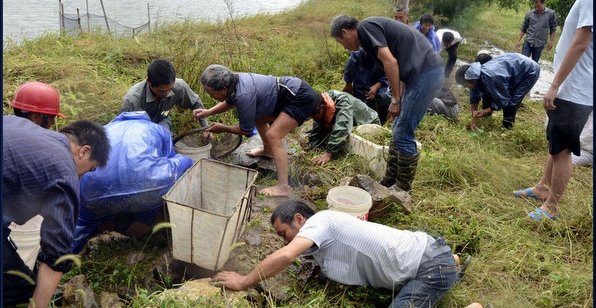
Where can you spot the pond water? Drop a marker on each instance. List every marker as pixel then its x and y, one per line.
pixel 31 18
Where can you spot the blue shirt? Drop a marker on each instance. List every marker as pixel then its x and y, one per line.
pixel 39 176
pixel 363 71
pixel 256 97
pixel 431 36
pixel 507 79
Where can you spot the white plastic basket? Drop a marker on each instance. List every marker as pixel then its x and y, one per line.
pixel 209 206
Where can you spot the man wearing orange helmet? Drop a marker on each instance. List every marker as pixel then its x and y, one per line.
pixel 38 102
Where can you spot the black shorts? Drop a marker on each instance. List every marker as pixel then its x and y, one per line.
pixel 565 125
pixel 299 105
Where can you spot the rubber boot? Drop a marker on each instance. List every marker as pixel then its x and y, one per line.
pixel 391 170
pixel 406 171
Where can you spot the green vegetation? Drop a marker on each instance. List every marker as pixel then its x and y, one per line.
pixel 463 189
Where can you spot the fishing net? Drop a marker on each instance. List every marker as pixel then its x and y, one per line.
pixel 222 144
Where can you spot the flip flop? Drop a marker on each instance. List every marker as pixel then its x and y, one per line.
pixel 527 193
pixel 540 215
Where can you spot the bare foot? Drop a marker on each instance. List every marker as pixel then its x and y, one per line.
pixel 259 153
pixel 276 191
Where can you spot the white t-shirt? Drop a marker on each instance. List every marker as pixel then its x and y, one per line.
pixel 357 252
pixel 456 36
pixel 578 87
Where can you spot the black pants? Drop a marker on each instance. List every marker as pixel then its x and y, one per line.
pixel 16 290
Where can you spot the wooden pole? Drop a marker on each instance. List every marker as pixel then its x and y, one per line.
pixel 88 16
pixel 79 21
pixel 61 16
pixel 63 24
pixel 105 16
pixel 148 17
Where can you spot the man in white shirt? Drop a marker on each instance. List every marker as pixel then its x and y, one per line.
pixel 450 40
pixel 568 103
pixel 420 268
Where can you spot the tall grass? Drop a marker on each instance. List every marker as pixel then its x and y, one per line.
pixel 463 189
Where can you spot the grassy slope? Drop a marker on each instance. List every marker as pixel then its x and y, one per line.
pixel 464 182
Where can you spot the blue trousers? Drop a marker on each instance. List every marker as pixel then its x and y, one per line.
pixel 416 99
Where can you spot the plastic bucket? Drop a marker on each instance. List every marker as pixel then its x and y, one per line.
pixel 349 199
pixel 195 153
pixel 26 237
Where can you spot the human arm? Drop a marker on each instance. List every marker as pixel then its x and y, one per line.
pixel 270 266
pixel 579 44
pixel 372 91
pixel 217 109
pixel 348 88
pixel 222 128
pixel 391 68
pixel 46 284
pixel 553 30
pixel 522 30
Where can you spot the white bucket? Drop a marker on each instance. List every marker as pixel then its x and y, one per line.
pixel 349 199
pixel 195 153
pixel 26 237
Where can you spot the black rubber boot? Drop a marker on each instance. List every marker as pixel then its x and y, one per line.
pixel 391 170
pixel 406 171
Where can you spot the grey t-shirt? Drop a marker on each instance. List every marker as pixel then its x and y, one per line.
pixel 412 50
pixel 357 252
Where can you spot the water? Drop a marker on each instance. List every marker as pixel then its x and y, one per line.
pixel 31 18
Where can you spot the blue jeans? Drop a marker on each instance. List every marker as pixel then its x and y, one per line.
pixel 414 104
pixel 528 50
pixel 434 278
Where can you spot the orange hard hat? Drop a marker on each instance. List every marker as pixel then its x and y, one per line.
pixel 37 97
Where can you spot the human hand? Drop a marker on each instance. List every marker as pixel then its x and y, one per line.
pixel 200 113
pixel 473 125
pixel 482 113
pixel 216 128
pixel 372 92
pixel 549 46
pixel 206 136
pixel 231 280
pixel 517 46
pixel 322 159
pixel 394 108
pixel 549 98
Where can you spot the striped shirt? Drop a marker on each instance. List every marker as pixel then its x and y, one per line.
pixel 356 252
pixel 39 176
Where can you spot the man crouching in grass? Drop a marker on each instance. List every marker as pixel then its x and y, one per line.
pixel 419 268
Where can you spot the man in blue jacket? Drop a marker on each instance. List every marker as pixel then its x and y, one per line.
pixel 506 79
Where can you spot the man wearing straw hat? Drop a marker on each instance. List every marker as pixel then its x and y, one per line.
pixel 419 268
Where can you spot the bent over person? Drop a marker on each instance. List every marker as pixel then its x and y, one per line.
pixel 419 268
pixel 505 79
pixel 274 105
pixel 408 57
pixel 40 176
pixel 159 93
pixel 339 113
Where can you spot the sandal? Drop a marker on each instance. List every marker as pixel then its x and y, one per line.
pixel 462 269
pixel 539 215
pixel 527 193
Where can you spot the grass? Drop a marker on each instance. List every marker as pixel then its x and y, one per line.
pixel 463 188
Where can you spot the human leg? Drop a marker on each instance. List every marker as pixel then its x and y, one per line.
pixel 282 125
pixel 16 290
pixel 563 130
pixel 536 52
pixel 262 127
pixel 526 49
pixel 434 278
pixel 416 99
pixel 509 113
